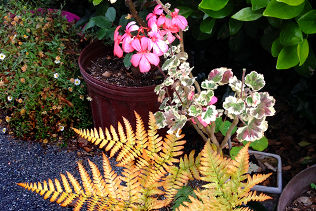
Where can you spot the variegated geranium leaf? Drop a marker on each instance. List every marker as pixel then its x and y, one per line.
pixel 265 107
pixel 164 103
pixel 255 81
pixel 234 106
pixel 195 110
pixel 205 97
pixel 182 55
pixel 168 81
pixel 168 63
pixel 209 114
pixel 176 123
pixel 235 84
pixel 253 131
pixel 253 100
pixel 228 74
pixel 216 75
pixel 161 95
pixel 187 81
pixel 160 119
pixel 208 84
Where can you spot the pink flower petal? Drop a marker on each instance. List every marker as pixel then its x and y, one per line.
pixel 144 65
pixel 135 59
pixel 136 44
pixel 213 100
pixel 152 58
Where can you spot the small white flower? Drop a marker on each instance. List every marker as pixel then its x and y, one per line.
pixel 77 82
pixel 56 75
pixel 89 98
pixel 61 128
pixel 4 130
pixel 112 1
pixel 10 98
pixel 57 61
pixel 2 56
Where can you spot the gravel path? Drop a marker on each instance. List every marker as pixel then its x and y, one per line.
pixel 22 161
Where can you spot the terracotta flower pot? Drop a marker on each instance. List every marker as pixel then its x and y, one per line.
pixel 297 186
pixel 111 102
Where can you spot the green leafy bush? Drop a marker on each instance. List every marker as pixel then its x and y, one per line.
pixel 43 94
pixel 284 27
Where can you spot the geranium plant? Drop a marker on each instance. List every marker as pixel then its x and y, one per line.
pixel 147 43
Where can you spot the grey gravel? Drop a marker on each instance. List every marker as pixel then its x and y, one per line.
pixel 22 161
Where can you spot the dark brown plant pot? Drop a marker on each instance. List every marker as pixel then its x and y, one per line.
pixel 111 102
pixel 299 184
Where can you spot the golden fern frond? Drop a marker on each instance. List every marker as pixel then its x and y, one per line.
pixel 213 167
pixel 239 167
pixel 226 189
pixel 66 197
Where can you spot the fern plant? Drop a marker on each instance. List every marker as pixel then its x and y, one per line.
pixel 150 179
pixel 228 185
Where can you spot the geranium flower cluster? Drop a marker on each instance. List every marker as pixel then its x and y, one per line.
pixel 149 42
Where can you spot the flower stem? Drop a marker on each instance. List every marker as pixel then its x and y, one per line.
pixel 134 14
pixel 228 133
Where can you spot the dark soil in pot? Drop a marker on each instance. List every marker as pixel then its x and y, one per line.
pixel 111 69
pixel 305 202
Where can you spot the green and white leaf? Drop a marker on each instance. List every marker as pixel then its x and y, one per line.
pixel 207 84
pixel 234 105
pixel 216 75
pixel 160 119
pixel 254 130
pixel 253 100
pixel 265 107
pixel 209 114
pixel 205 97
pixel 195 110
pixel 255 81
pixel 235 84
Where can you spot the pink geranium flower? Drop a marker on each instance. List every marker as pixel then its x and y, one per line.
pixel 117 39
pixel 143 58
pixel 152 17
pixel 127 37
pixel 179 20
pixel 156 41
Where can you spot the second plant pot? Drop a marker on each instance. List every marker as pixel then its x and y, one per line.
pixel 111 102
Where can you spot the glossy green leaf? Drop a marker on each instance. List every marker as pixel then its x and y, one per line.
pixel 309 65
pixel 96 2
pixel 275 22
pixel 234 26
pixel 276 48
pixel 102 21
pixel 291 34
pixel 307 22
pixel 288 57
pixel 222 13
pixel 281 10
pixel 260 144
pixel 111 14
pixel 102 33
pixel 268 38
pixel 259 4
pixel 225 126
pixel 207 25
pixel 123 21
pixel 247 14
pixel 213 4
pixel 127 59
pixel 218 123
pixel 303 51
pixel 292 2
pixel 185 11
pixel 89 25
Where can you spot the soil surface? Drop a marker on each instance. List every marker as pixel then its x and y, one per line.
pixel 111 69
pixel 306 202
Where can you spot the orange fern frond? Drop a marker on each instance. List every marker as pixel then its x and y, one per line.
pixel 229 185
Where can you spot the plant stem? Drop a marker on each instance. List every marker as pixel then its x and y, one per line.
pixel 228 133
pixel 134 14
